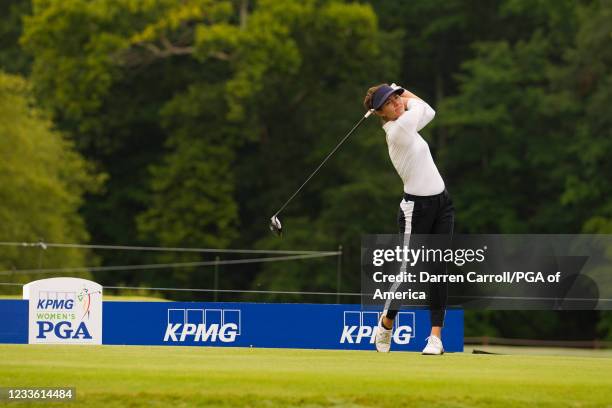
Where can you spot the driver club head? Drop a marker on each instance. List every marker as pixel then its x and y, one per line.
pixel 275 226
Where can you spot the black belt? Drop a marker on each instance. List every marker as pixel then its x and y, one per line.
pixel 410 197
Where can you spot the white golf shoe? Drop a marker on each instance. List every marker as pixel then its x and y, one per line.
pixel 383 337
pixel 434 346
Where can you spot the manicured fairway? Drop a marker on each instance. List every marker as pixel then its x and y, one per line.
pixel 117 376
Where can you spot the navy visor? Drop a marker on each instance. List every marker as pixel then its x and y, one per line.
pixel 382 94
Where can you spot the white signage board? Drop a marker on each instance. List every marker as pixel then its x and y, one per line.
pixel 64 311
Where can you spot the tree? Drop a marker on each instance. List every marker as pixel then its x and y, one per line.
pixel 43 182
pixel 504 134
pixel 238 100
pixel 12 58
pixel 106 70
pixel 527 136
pixel 300 112
pixel 585 80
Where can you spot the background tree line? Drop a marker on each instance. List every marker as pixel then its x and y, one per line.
pixel 188 123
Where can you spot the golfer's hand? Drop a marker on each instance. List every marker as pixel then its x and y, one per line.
pixel 405 95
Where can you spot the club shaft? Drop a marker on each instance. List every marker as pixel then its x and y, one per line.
pixel 323 162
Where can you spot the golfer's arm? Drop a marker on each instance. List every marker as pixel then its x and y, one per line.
pixel 410 120
pixel 428 113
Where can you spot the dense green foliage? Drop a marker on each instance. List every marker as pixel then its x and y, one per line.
pixel 206 115
pixel 12 57
pixel 43 181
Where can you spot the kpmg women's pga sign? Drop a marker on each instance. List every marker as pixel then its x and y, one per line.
pixel 64 311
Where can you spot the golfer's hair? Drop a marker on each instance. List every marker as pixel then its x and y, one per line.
pixel 367 102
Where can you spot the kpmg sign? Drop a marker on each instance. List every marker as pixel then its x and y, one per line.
pixel 306 326
pixel 203 325
pixel 64 311
pixel 361 327
pixel 311 326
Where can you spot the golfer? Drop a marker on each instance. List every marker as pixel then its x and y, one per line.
pixel 426 207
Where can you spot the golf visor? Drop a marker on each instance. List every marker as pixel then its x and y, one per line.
pixel 382 94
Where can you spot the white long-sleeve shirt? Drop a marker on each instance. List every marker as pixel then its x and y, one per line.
pixel 409 152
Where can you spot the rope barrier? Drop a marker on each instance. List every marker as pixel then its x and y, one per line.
pixel 289 255
pixel 45 245
pixel 167 265
pixel 281 292
pixel 277 292
pixel 286 292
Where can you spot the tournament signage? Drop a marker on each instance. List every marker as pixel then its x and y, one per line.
pixel 310 326
pixel 64 311
pixel 46 319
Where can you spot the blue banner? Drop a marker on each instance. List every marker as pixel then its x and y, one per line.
pixel 14 325
pixel 269 325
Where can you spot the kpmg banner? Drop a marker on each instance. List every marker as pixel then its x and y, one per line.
pixel 312 326
pixel 64 311
pixel 309 326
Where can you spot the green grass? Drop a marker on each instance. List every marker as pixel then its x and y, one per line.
pixel 126 376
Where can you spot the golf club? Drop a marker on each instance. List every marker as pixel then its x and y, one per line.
pixel 275 224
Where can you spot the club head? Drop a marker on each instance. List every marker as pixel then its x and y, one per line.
pixel 275 226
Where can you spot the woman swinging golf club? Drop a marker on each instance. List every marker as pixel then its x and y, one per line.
pixel 426 207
